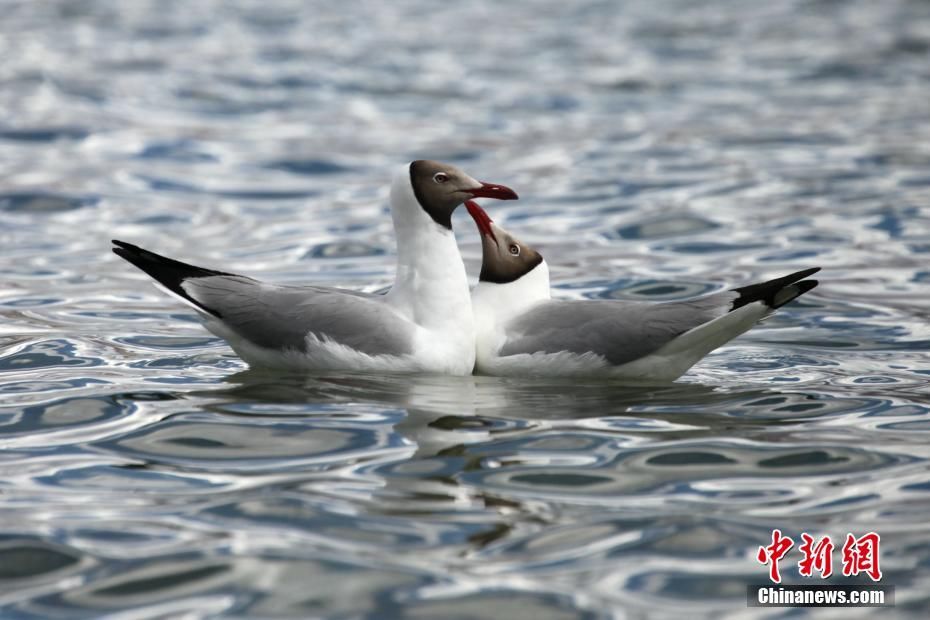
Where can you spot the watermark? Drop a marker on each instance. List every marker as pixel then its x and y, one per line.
pixel 859 555
pixel 820 596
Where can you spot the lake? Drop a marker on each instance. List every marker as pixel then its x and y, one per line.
pixel 661 150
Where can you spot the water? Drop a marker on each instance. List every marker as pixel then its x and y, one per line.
pixel 661 150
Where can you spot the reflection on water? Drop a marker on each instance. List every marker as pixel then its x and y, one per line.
pixel 661 151
pixel 434 493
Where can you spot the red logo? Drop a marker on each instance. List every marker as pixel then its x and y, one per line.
pixel 860 555
pixel 773 553
pixel 819 556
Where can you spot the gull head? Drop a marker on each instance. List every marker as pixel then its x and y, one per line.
pixel 440 188
pixel 504 258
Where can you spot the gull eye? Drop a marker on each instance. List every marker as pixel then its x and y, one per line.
pixel 440 177
pixel 514 249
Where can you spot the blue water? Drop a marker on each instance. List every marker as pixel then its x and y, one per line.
pixel 661 150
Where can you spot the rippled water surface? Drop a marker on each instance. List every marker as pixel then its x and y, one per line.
pixel 661 150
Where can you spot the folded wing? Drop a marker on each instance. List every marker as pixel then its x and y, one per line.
pixel 623 332
pixel 279 317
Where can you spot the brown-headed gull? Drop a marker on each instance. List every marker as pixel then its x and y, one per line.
pixel 423 324
pixel 522 331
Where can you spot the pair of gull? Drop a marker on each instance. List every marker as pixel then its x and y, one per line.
pixel 429 321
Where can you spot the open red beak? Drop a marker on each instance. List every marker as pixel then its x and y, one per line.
pixel 489 190
pixel 482 219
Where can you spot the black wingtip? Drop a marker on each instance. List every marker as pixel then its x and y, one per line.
pixel 804 273
pixel 166 271
pixel 778 292
pixel 792 292
pixel 123 249
pixel 806 285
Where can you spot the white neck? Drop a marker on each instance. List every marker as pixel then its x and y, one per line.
pixel 431 287
pixel 496 304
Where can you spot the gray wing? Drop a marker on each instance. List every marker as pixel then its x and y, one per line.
pixel 280 317
pixel 618 331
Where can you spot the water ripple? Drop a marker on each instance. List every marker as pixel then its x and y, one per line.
pixel 660 151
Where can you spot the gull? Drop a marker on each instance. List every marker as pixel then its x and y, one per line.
pixel 522 331
pixel 424 323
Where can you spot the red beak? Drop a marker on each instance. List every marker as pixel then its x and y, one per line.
pixel 489 190
pixel 482 219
